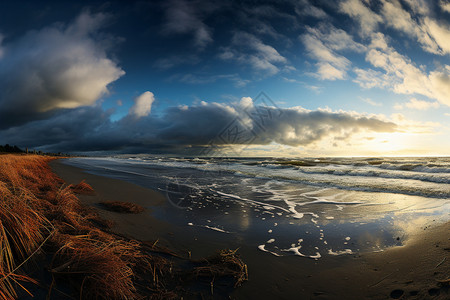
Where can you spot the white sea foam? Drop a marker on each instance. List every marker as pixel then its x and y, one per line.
pixel 210 227
pixel 263 248
pixel 251 201
pixel 345 251
pixel 214 228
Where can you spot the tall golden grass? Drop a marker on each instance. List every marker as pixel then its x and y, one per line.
pixel 36 207
pixel 39 212
pixel 22 226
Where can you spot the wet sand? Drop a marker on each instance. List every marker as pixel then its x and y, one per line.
pixel 411 271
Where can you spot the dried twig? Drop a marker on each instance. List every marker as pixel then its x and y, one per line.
pixel 442 261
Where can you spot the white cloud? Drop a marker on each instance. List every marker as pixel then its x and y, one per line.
pixel 54 68
pixel 246 102
pixel 393 70
pixel 370 78
pixel 318 50
pixel 417 23
pixel 440 34
pixel 323 44
pixel 335 39
pixel 417 104
pixel 305 8
pixel 371 102
pixel 367 19
pixel 248 49
pixel 432 35
pixel 419 6
pixel 378 41
pixel 326 71
pixel 440 84
pixel 402 76
pixel 395 16
pixel 445 5
pixel 142 105
pixel 261 50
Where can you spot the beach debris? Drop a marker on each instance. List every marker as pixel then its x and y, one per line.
pixel 444 282
pixel 226 263
pixel 122 207
pixel 442 261
pixel 381 280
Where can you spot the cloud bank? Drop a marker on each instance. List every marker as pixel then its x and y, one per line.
pixel 188 128
pixel 57 67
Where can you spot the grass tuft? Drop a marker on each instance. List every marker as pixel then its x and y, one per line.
pixel 83 188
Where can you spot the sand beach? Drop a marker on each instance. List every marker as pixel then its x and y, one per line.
pixel 418 269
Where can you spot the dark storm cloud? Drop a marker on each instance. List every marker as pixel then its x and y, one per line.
pixel 180 128
pixel 57 67
pixel 260 125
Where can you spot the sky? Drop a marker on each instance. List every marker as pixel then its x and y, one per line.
pixel 251 78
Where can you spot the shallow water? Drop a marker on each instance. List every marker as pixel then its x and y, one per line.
pixel 304 207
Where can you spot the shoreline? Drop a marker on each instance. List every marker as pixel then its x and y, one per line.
pixel 413 268
pixel 108 189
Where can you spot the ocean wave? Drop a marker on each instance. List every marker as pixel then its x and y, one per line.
pixel 431 177
pixel 416 168
pixel 355 183
pixel 389 177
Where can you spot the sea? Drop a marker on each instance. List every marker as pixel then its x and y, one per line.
pixel 306 207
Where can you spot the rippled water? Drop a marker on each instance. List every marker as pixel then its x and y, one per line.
pixel 306 207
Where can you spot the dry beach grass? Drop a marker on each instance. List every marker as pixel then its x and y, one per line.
pixel 38 210
pixel 43 221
